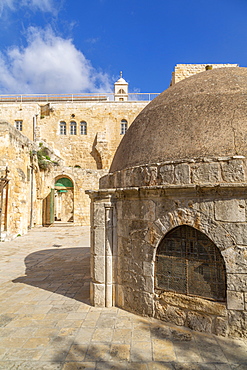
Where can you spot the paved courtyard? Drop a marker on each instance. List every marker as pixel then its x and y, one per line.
pixel 46 321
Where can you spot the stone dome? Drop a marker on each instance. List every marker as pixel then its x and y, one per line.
pixel 202 116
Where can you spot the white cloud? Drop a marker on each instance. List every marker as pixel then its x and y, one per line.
pixel 14 5
pixel 43 5
pixel 49 64
pixel 6 4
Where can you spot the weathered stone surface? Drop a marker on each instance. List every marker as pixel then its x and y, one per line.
pixel 97 294
pixel 98 241
pixel 238 232
pixel 194 303
pixel 166 174
pixel 169 313
pixel 230 210
pixel 199 322
pixel 235 300
pixel 233 171
pixel 221 326
pixel 98 272
pixel 99 214
pixel 182 174
pixel 237 323
pixel 206 173
pixel 237 282
pixel 236 259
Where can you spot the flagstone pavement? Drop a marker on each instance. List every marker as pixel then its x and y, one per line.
pixel 47 322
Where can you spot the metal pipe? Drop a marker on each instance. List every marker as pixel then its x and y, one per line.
pixel 31 200
pixel 108 255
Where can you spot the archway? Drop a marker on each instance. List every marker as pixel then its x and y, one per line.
pixel 188 262
pixel 64 199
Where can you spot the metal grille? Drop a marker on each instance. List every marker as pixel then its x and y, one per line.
pixel 188 262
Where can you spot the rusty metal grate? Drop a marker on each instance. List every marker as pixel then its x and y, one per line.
pixel 188 262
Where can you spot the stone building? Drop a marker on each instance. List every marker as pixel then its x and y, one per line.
pixel 169 229
pixel 56 147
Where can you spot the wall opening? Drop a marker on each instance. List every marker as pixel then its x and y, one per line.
pixel 64 200
pixel 188 262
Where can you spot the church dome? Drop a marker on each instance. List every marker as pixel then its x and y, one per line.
pixel 202 116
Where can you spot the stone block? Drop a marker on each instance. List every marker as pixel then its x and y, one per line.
pixel 233 171
pixel 148 269
pixel 97 293
pixel 166 174
pixel 148 285
pixel 205 173
pixel 235 260
pixel 182 174
pixel 169 313
pixel 237 323
pixel 221 326
pixel 235 300
pixel 149 176
pixel 98 272
pixel 232 210
pixel 98 246
pixel 194 303
pixel 98 214
pixel 237 282
pixel 238 232
pixel 198 322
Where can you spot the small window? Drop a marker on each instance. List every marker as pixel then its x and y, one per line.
pixel 124 127
pixel 62 128
pixel 72 128
pixel 121 91
pixel 18 125
pixel 83 126
pixel 188 262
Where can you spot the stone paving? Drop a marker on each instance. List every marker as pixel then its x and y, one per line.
pixel 46 321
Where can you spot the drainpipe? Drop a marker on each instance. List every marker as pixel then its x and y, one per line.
pixel 108 255
pixel 34 126
pixel 31 200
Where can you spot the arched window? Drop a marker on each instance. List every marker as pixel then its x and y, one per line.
pixel 83 126
pixel 62 128
pixel 121 91
pixel 124 127
pixel 188 262
pixel 72 128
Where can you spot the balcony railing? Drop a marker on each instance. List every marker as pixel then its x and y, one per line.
pixel 49 98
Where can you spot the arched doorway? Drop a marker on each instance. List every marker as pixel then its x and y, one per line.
pixel 188 262
pixel 64 200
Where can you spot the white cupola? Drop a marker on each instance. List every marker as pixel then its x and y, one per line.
pixel 121 89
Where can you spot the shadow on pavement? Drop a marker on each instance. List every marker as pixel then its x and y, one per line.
pixel 65 271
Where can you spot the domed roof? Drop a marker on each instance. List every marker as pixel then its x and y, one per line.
pixel 202 116
pixel 121 81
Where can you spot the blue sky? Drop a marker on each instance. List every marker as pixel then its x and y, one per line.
pixel 62 46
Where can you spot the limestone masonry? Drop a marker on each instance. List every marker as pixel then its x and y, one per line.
pixel 167 185
pixel 169 220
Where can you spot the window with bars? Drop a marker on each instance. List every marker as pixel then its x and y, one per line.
pixel 188 262
pixel 83 126
pixel 72 128
pixel 124 127
pixel 18 125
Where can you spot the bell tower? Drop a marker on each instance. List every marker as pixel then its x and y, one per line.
pixel 121 89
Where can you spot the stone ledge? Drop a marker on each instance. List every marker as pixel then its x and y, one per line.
pixel 193 303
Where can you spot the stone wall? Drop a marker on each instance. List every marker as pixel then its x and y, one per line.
pixel 220 170
pixel 182 71
pixel 25 112
pixel 143 216
pixel 15 151
pixel 96 149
